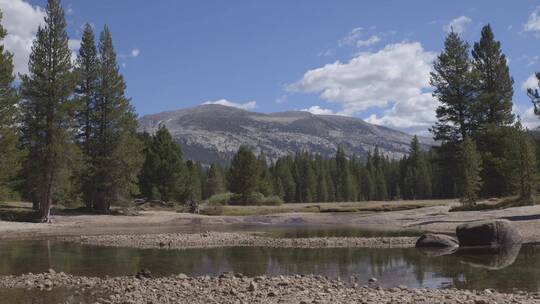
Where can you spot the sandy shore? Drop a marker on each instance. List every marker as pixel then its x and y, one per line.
pixel 235 288
pixel 434 219
pixel 231 239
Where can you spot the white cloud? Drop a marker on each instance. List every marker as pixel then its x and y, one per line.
pixel 458 25
pixel 282 98
pixel 70 10
pixel 530 83
pixel 533 23
pixel 224 102
pixel 415 115
pixel 317 110
pixel 398 74
pixel 74 45
pixel 352 37
pixel 527 116
pixel 135 52
pixel 21 20
pixel 370 41
pixel 326 53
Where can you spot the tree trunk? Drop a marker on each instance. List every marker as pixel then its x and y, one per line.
pixel 45 208
pixel 101 205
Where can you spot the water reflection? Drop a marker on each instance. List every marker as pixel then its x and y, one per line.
pixel 505 270
pixel 492 258
pixel 56 295
pixel 310 232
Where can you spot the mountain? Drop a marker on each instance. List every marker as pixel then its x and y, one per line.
pixel 213 133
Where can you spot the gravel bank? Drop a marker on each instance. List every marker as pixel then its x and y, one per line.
pixel 229 288
pixel 228 239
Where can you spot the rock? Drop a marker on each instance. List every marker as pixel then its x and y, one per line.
pixel 431 240
pixel 488 233
pixel 144 274
pixel 252 286
pixel 439 251
pixel 372 280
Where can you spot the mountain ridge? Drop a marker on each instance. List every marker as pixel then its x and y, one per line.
pixel 213 133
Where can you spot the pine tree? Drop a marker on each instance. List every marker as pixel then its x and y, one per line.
pixel 243 174
pixel 10 154
pixel 322 186
pixel 452 83
pixel 265 178
pixel 470 166
pixel 215 182
pixel 163 172
pixel 283 172
pixel 381 191
pixel 330 185
pixel 534 95
pixel 194 182
pixel 47 109
pixel 344 188
pixel 87 68
pixel 526 166
pixel 494 85
pixel 417 179
pixel 116 150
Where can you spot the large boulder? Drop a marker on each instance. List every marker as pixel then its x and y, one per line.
pixel 431 240
pixel 488 233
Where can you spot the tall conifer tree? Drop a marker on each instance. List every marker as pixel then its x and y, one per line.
pixel 215 182
pixel 244 177
pixel 493 85
pixel 47 121
pixel 470 166
pixel 10 155
pixel 163 174
pixel 87 69
pixel 116 150
pixel 452 83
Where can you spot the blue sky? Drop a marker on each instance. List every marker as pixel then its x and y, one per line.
pixel 368 59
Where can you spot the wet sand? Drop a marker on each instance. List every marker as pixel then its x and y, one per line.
pixel 432 219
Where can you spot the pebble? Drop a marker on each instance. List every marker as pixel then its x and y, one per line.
pixel 230 289
pixel 166 241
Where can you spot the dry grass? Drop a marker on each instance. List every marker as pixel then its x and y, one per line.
pixel 495 203
pixel 22 211
pixel 371 206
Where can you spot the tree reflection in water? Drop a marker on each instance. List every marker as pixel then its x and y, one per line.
pixel 503 270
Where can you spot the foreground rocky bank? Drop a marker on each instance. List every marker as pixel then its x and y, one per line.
pixel 236 288
pixel 236 239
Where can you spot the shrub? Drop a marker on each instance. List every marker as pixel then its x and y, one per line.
pixel 220 199
pixel 273 200
pixel 256 198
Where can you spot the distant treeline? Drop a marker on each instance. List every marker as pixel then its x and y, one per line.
pixel 303 177
pixel 307 177
pixel 68 135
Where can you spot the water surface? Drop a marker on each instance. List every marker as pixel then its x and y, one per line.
pixel 506 271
